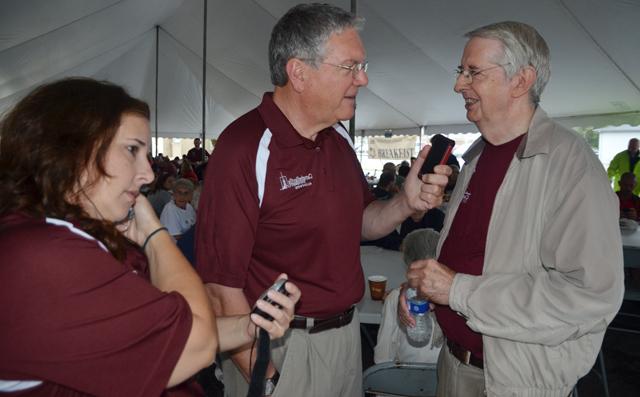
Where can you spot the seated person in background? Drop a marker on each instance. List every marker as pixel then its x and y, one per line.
pixel 105 305
pixel 176 162
pixel 389 167
pixel 392 337
pixel 384 190
pixel 629 202
pixel 162 194
pixel 187 172
pixel 403 171
pixel 386 187
pixel 178 215
pixel 164 166
pixel 432 219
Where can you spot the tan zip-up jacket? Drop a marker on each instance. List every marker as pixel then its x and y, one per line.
pixel 553 270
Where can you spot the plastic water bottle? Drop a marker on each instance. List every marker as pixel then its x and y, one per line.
pixel 419 310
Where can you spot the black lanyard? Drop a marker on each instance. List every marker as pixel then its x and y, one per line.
pixel 256 386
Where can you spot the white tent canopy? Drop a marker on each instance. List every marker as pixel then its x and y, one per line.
pixel 413 47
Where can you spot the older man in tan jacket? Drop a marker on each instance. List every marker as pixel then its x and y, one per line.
pixel 529 271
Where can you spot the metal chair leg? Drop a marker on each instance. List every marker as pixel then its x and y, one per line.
pixel 603 374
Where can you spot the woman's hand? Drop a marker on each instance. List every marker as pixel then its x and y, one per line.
pixel 144 221
pixel 281 316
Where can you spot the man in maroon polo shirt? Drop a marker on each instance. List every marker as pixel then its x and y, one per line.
pixel 529 268
pixel 284 192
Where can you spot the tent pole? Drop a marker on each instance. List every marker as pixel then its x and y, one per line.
pixel 352 122
pixel 156 99
pixel 420 138
pixel 204 79
pixel 361 144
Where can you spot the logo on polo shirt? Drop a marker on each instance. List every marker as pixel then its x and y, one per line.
pixel 466 196
pixel 297 182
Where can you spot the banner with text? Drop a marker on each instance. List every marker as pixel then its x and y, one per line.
pixel 393 148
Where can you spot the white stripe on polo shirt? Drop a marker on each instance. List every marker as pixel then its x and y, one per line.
pixel 343 132
pixel 74 230
pixel 9 386
pixel 262 158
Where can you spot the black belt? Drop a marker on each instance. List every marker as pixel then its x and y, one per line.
pixel 464 355
pixel 314 325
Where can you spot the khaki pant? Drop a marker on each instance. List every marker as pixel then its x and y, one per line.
pixel 456 379
pixel 325 364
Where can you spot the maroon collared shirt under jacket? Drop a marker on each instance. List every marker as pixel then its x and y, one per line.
pixel 464 248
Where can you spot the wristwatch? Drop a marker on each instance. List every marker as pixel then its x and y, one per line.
pixel 270 384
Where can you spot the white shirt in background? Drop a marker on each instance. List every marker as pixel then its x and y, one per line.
pixel 176 219
pixel 393 344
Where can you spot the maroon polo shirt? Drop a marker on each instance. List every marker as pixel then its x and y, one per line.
pixel 276 202
pixel 80 321
pixel 464 248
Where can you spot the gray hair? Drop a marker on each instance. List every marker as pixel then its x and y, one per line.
pixel 523 46
pixel 185 183
pixel 420 244
pixel 302 33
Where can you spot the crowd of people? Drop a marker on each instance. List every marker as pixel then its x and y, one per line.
pixel 175 191
pixel 524 275
pixel 388 184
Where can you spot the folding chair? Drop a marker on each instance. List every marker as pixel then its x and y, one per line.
pixel 400 379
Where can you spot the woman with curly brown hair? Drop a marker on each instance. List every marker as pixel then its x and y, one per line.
pixel 96 298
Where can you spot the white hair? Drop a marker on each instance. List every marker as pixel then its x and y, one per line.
pixel 523 46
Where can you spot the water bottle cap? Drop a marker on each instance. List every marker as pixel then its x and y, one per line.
pixel 418 306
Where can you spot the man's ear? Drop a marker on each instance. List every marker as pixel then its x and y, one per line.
pixel 523 81
pixel 297 72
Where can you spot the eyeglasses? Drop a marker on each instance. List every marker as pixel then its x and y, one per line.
pixel 354 69
pixel 470 74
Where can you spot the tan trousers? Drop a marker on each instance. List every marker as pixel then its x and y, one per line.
pixel 325 364
pixel 456 379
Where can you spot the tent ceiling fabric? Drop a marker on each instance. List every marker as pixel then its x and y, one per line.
pixel 413 47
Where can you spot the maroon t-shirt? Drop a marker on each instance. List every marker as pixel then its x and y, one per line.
pixel 80 321
pixel 628 203
pixel 275 202
pixel 463 250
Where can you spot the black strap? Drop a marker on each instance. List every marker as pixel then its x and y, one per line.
pixel 256 387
